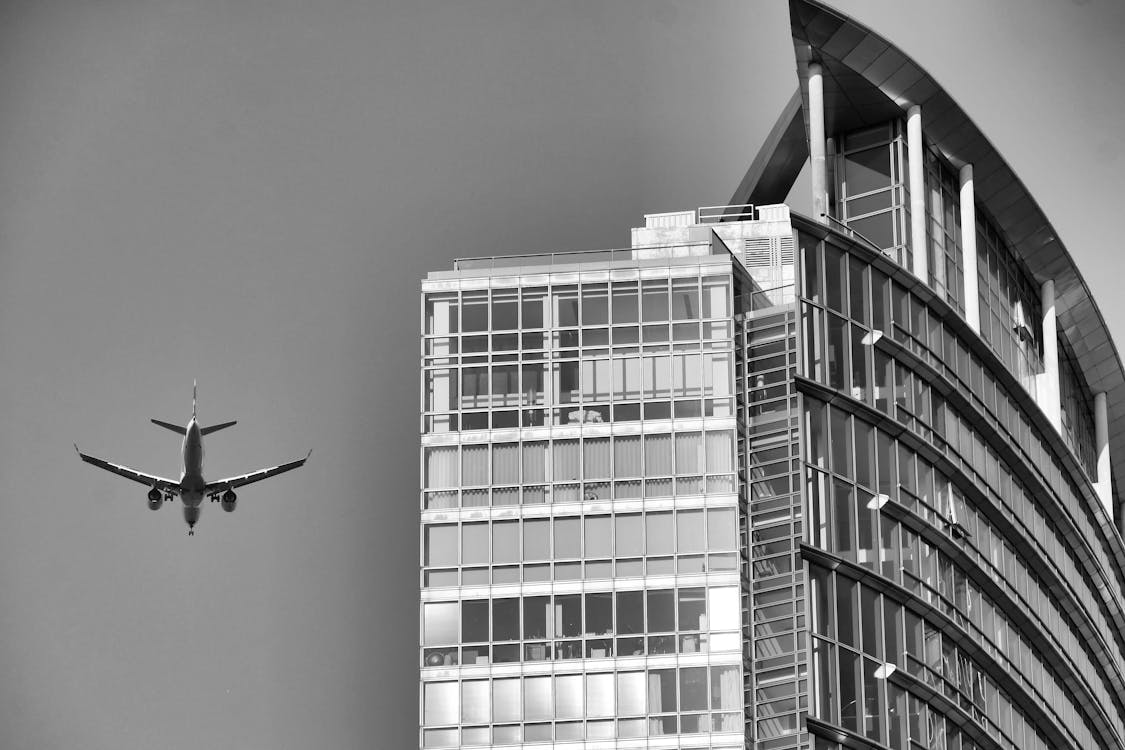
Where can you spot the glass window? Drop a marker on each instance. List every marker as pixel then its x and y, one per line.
pixel 439 623
pixel 505 541
pixel 504 311
pixel 629 538
pixel 506 619
pixel 725 609
pixel 867 170
pixel 658 530
pixel 537 698
pixel 441 466
pixel 630 693
pixel 505 463
pixel 474 464
pixel 533 307
pixel 689 453
pixel 474 621
pixel 722 529
pixel 474 311
pixel 535 616
pixel 720 450
pixel 441 314
pixel 474 543
pixel 599 695
pixel 566 305
pixel 627 456
pixel 441 544
pixel 595 304
pixel 716 296
pixel 596 454
pixel 630 612
pixel 693 689
pixel 534 462
pixel 658 454
pixel 475 704
pixel 568 696
pixel 625 302
pixel 599 536
pixel 662 690
pixel 567 460
pixel 692 609
pixel 654 300
pixel 685 299
pixel 661 610
pixel 568 538
pixel 440 703
pixel 689 531
pixel 537 539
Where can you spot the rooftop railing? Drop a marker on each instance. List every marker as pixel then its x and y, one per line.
pixel 548 260
pixel 735 212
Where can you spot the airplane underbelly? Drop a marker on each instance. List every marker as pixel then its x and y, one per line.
pixel 192 498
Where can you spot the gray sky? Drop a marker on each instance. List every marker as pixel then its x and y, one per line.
pixel 248 193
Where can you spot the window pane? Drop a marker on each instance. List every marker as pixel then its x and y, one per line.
pixel 474 464
pixel 630 612
pixel 506 619
pixel 599 541
pixel 658 530
pixel 693 689
pixel 535 612
pixel 440 704
pixel 692 609
pixel 599 614
pixel 568 616
pixel 661 610
pixel 439 623
pixel 534 462
pixel 599 695
pixel 506 463
pixel 596 454
pixel 568 696
pixel 720 452
pixel 689 531
pixel 475 705
pixel 537 539
pixel 630 693
pixel 441 544
pixel 474 620
pixel 867 170
pixel 506 541
pixel 630 541
pixel 568 538
pixel 662 690
pixel 567 460
pixel 537 698
pixel 441 466
pixel 658 454
pixel 726 688
pixel 725 609
pixel 506 700
pixel 689 453
pixel 722 529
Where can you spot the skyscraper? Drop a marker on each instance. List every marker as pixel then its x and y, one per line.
pixel 768 481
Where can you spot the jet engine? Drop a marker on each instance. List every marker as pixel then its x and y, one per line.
pixel 228 501
pixel 155 499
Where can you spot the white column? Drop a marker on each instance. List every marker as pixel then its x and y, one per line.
pixel 969 248
pixel 916 156
pixel 1049 399
pixel 816 143
pixel 1104 483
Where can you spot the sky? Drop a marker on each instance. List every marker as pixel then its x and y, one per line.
pixel 248 193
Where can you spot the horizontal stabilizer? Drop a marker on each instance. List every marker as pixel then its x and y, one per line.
pixel 216 427
pixel 179 429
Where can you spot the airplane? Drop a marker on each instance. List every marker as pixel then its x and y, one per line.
pixel 192 487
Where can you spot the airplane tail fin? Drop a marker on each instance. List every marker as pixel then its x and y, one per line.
pixel 216 427
pixel 169 426
pixel 194 387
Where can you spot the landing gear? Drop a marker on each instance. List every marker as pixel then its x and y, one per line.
pixel 191 532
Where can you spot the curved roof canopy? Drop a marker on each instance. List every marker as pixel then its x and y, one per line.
pixel 867 80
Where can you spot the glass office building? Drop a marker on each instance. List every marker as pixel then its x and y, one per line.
pixel 767 481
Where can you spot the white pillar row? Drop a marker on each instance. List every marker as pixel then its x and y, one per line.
pixel 916 156
pixel 1049 399
pixel 969 248
pixel 1104 483
pixel 816 143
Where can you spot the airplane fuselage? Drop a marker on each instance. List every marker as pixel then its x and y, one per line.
pixel 192 483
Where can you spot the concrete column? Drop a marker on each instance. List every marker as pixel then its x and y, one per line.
pixel 969 248
pixel 916 156
pixel 1049 399
pixel 1104 483
pixel 816 143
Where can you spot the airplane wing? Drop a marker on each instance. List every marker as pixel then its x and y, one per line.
pixel 150 480
pixel 254 476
